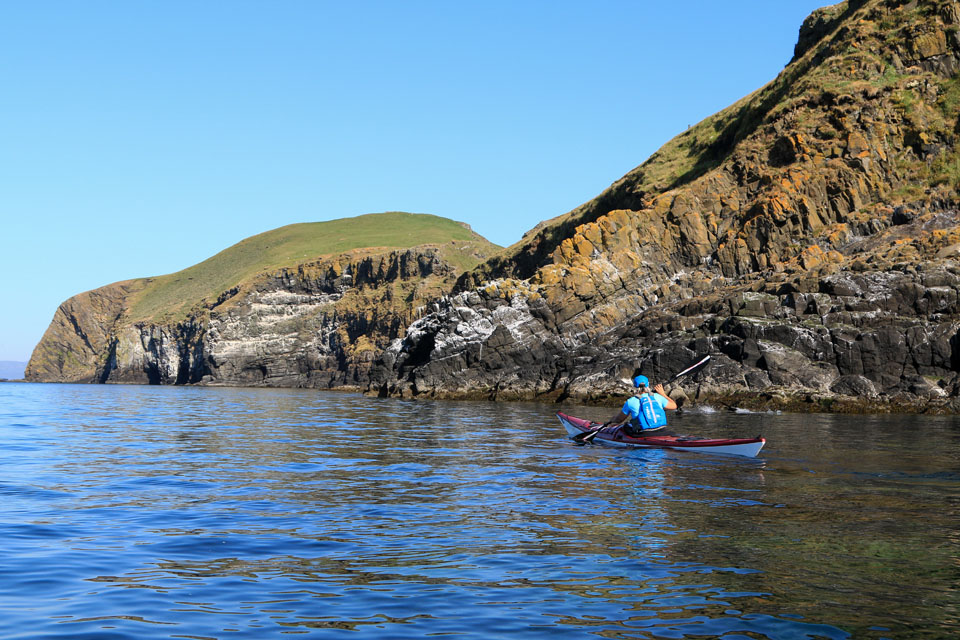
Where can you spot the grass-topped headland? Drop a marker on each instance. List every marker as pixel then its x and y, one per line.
pixel 171 296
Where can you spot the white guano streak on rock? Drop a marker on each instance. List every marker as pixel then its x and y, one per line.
pixel 258 329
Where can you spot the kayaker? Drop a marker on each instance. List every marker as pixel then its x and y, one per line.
pixel 644 411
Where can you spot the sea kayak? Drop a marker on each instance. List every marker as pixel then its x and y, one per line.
pixel 748 447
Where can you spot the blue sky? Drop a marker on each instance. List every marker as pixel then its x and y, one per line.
pixel 139 138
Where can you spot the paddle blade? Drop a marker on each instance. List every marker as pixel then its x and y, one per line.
pixel 588 436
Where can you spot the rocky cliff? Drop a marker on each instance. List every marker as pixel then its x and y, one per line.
pixel 314 323
pixel 807 236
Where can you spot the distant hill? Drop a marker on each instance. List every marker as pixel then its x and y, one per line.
pixel 172 296
pixel 304 305
pixel 12 370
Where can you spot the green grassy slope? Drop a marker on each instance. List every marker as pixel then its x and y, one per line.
pixel 877 55
pixel 170 296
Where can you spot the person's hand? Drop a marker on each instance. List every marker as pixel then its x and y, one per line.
pixel 659 389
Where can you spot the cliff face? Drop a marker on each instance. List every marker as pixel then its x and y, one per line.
pixel 73 347
pixel 319 323
pixel 807 236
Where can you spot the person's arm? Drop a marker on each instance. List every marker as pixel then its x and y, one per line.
pixel 617 420
pixel 670 403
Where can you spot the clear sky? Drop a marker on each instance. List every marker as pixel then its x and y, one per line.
pixel 139 138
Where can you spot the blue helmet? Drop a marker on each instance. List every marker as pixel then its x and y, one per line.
pixel 641 381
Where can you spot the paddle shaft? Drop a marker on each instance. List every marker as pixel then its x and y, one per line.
pixel 699 364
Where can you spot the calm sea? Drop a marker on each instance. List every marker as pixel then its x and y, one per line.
pixel 159 512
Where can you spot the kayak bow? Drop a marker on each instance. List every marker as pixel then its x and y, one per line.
pixel 748 447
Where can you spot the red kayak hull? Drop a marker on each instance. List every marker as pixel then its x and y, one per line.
pixel 748 447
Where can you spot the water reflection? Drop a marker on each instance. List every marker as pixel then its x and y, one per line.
pixel 157 512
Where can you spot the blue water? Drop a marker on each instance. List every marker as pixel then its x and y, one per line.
pixel 148 512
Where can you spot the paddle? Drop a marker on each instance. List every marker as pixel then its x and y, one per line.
pixel 588 436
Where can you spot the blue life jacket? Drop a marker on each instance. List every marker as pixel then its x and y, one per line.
pixel 651 414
